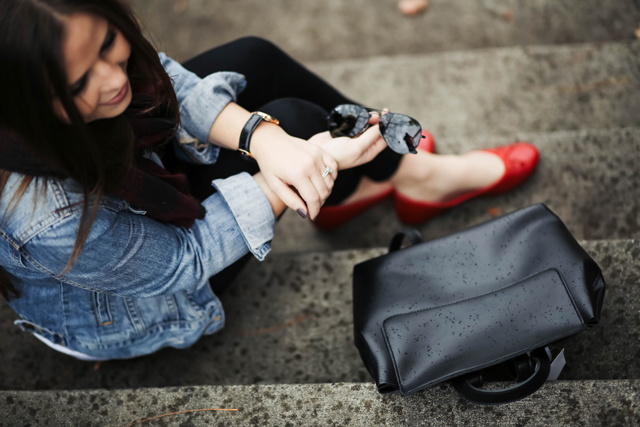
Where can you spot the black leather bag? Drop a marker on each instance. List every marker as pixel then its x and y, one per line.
pixel 499 291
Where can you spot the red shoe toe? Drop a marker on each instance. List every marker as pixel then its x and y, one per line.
pixel 520 160
pixel 331 217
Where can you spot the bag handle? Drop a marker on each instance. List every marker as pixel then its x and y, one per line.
pixel 468 385
pixel 413 235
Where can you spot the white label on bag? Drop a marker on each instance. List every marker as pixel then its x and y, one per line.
pixel 557 365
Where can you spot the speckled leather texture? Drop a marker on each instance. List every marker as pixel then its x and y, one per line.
pixel 440 309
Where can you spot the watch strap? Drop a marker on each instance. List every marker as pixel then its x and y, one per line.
pixel 249 128
pixel 245 135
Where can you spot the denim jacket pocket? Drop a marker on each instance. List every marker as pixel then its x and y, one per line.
pixel 97 320
pixel 134 316
pixel 102 309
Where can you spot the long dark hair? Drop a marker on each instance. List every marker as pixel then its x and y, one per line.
pixel 97 155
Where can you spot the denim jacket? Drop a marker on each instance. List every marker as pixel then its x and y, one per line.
pixel 138 284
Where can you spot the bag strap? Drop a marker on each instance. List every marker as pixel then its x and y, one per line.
pixel 468 385
pixel 413 235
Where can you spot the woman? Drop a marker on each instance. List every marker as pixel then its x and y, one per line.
pixel 107 251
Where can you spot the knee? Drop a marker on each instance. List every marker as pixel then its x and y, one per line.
pixel 294 108
pixel 257 46
pixel 298 117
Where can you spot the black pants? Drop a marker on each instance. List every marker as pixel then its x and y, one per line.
pixel 281 87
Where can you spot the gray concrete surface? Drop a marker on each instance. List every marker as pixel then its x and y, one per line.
pixel 289 321
pixel 589 178
pixel 496 92
pixel 561 403
pixel 332 29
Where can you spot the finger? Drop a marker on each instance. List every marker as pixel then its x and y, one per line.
pixel 373 151
pixel 323 186
pixel 320 186
pixel 329 181
pixel 311 195
pixel 289 197
pixel 374 117
pixel 369 145
pixel 377 147
pixel 329 162
pixel 332 163
pixel 368 138
pixel 324 160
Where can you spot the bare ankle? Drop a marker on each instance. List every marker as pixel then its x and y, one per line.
pixel 413 168
pixel 441 178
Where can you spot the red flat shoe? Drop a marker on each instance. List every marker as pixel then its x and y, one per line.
pixel 331 217
pixel 520 160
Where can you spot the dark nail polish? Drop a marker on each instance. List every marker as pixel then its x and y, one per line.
pixel 302 213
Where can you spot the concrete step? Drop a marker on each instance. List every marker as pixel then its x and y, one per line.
pixel 499 92
pixel 333 29
pixel 560 403
pixel 588 178
pixel 289 320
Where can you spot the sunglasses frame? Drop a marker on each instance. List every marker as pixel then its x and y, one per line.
pixel 368 125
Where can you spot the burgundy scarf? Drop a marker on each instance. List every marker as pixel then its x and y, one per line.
pixel 164 196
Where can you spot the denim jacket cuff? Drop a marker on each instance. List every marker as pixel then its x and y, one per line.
pixel 251 209
pixel 206 100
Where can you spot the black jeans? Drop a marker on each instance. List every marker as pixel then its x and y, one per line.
pixel 280 86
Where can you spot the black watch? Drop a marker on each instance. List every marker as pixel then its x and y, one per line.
pixel 247 132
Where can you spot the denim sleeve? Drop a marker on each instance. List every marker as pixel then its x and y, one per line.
pixel 133 255
pixel 200 102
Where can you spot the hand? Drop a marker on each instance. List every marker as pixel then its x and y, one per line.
pixel 293 168
pixel 352 152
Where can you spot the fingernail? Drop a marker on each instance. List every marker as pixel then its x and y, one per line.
pixel 302 213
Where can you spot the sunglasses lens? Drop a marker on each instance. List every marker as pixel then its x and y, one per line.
pixel 401 133
pixel 347 120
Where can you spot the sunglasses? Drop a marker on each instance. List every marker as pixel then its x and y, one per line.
pixel 401 132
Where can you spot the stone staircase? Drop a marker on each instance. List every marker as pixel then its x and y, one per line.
pixel 563 403
pixel 339 29
pixel 564 76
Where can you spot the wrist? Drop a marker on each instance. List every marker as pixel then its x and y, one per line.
pixel 226 129
pixel 263 137
pixel 249 129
